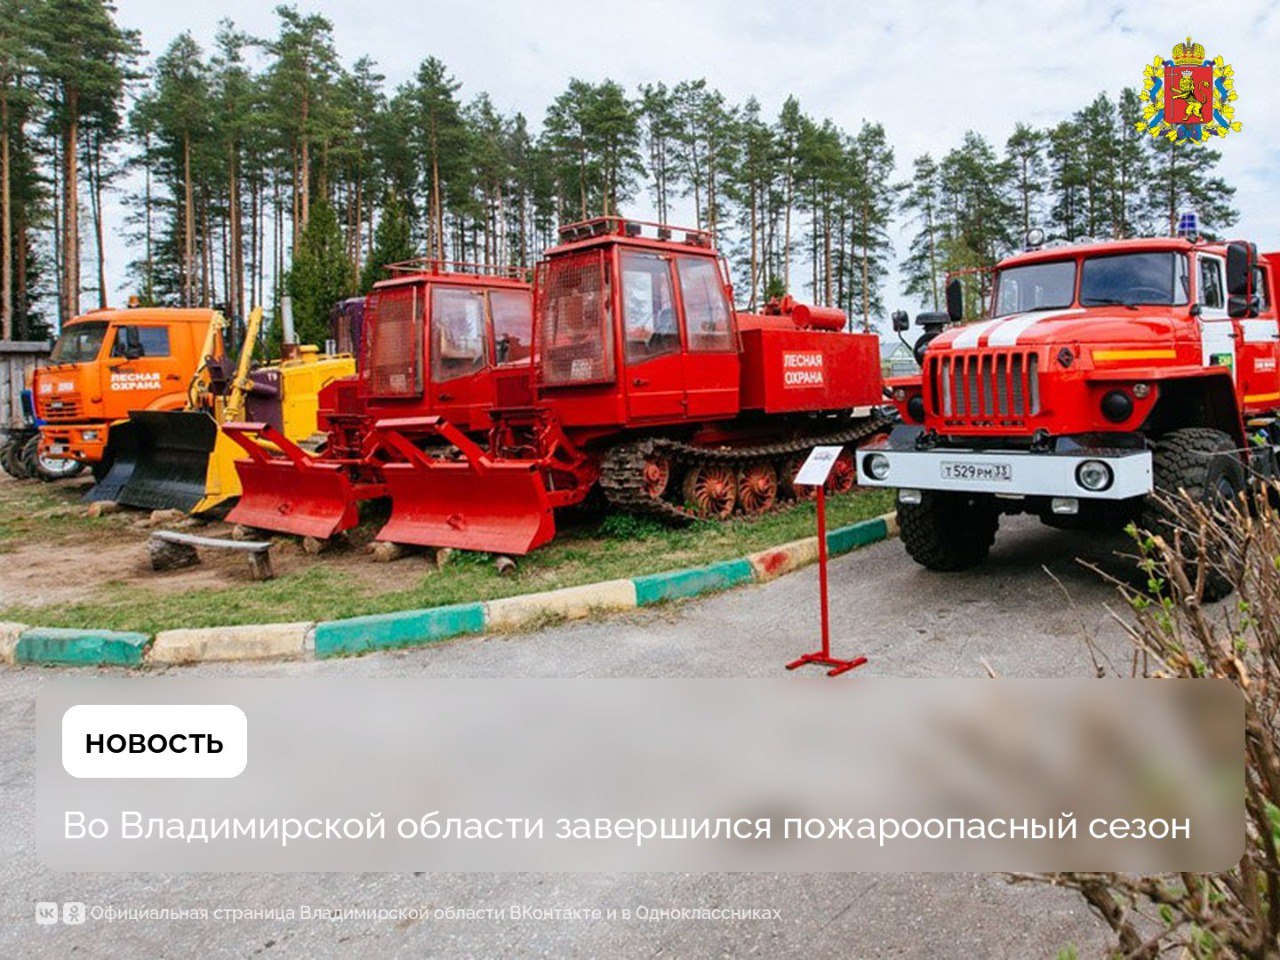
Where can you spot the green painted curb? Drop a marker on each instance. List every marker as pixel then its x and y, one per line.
pixel 857 535
pixel 402 629
pixel 679 584
pixel 81 647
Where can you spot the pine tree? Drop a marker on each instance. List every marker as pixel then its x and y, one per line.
pixel 922 268
pixel 320 276
pixel 1183 180
pixel 182 111
pixel 1025 152
pixel 85 59
pixel 15 60
pixel 392 243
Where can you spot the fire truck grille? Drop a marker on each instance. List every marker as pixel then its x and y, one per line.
pixel 984 389
pixel 62 409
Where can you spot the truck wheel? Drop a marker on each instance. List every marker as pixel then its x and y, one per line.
pixel 6 450
pixel 948 531
pixel 1205 464
pixel 15 464
pixel 48 468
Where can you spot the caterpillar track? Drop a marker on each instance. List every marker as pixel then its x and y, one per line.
pixel 633 479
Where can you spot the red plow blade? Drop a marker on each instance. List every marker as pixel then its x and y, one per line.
pixel 290 491
pixel 482 504
pixel 503 510
pixel 313 502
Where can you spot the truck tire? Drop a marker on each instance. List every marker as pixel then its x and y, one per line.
pixel 948 531
pixel 15 464
pixel 48 468
pixel 1205 463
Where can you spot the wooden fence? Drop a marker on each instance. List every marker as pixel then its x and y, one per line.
pixel 17 359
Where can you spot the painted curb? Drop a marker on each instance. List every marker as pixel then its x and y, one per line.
pixel 786 558
pixel 682 584
pixel 9 634
pixel 86 648
pixel 409 628
pixel 571 603
pixel 268 641
pixel 386 631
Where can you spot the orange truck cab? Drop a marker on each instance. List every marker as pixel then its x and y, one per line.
pixel 109 362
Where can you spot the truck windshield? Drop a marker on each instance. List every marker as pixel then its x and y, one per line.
pixel 1132 278
pixel 79 342
pixel 1037 286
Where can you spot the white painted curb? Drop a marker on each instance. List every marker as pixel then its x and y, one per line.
pixel 9 634
pixel 267 641
pixel 571 603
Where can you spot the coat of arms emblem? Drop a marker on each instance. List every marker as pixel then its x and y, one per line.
pixel 1188 98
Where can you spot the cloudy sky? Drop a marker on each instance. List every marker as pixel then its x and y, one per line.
pixel 927 70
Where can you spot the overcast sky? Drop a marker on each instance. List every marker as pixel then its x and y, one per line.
pixel 928 71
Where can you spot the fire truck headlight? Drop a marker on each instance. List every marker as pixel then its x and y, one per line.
pixel 915 408
pixel 1117 406
pixel 876 466
pixel 90 435
pixel 1094 476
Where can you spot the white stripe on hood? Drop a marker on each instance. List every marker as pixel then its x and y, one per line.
pixel 1011 328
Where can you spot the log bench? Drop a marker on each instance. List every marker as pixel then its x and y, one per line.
pixel 171 550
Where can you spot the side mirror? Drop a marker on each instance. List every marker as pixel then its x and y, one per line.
pixel 132 352
pixel 955 300
pixel 901 321
pixel 1241 258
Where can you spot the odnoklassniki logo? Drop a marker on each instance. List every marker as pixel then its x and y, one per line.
pixel 1188 99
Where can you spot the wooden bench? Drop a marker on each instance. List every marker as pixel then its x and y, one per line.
pixel 171 550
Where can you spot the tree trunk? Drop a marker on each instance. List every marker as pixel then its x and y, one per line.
pixel 71 208
pixel 189 225
pixel 148 280
pixel 96 199
pixel 305 167
pixel 6 222
pixel 235 239
pixel 437 206
pixel 786 230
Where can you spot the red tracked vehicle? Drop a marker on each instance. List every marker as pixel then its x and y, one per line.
pixel 1105 373
pixel 646 385
pixel 435 337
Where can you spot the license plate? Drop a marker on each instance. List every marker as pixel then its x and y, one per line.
pixel 980 472
pixel 55 448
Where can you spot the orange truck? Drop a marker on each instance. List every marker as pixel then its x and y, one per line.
pixel 110 362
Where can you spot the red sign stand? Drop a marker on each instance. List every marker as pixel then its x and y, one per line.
pixel 823 658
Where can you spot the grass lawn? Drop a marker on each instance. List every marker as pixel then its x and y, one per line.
pixel 330 587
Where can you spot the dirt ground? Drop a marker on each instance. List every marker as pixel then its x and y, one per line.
pixel 71 563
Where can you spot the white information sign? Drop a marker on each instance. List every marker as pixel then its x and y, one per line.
pixel 813 472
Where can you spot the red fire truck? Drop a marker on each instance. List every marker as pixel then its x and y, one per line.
pixel 1105 372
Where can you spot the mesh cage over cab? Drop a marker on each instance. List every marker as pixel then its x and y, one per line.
pixel 575 329
pixel 393 352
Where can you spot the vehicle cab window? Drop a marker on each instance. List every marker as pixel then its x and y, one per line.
pixel 1211 293
pixel 512 313
pixel 135 341
pixel 648 307
pixel 79 342
pixel 1262 289
pixel 458 332
pixel 706 311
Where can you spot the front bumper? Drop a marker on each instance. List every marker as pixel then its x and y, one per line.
pixel 70 442
pixel 1017 473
